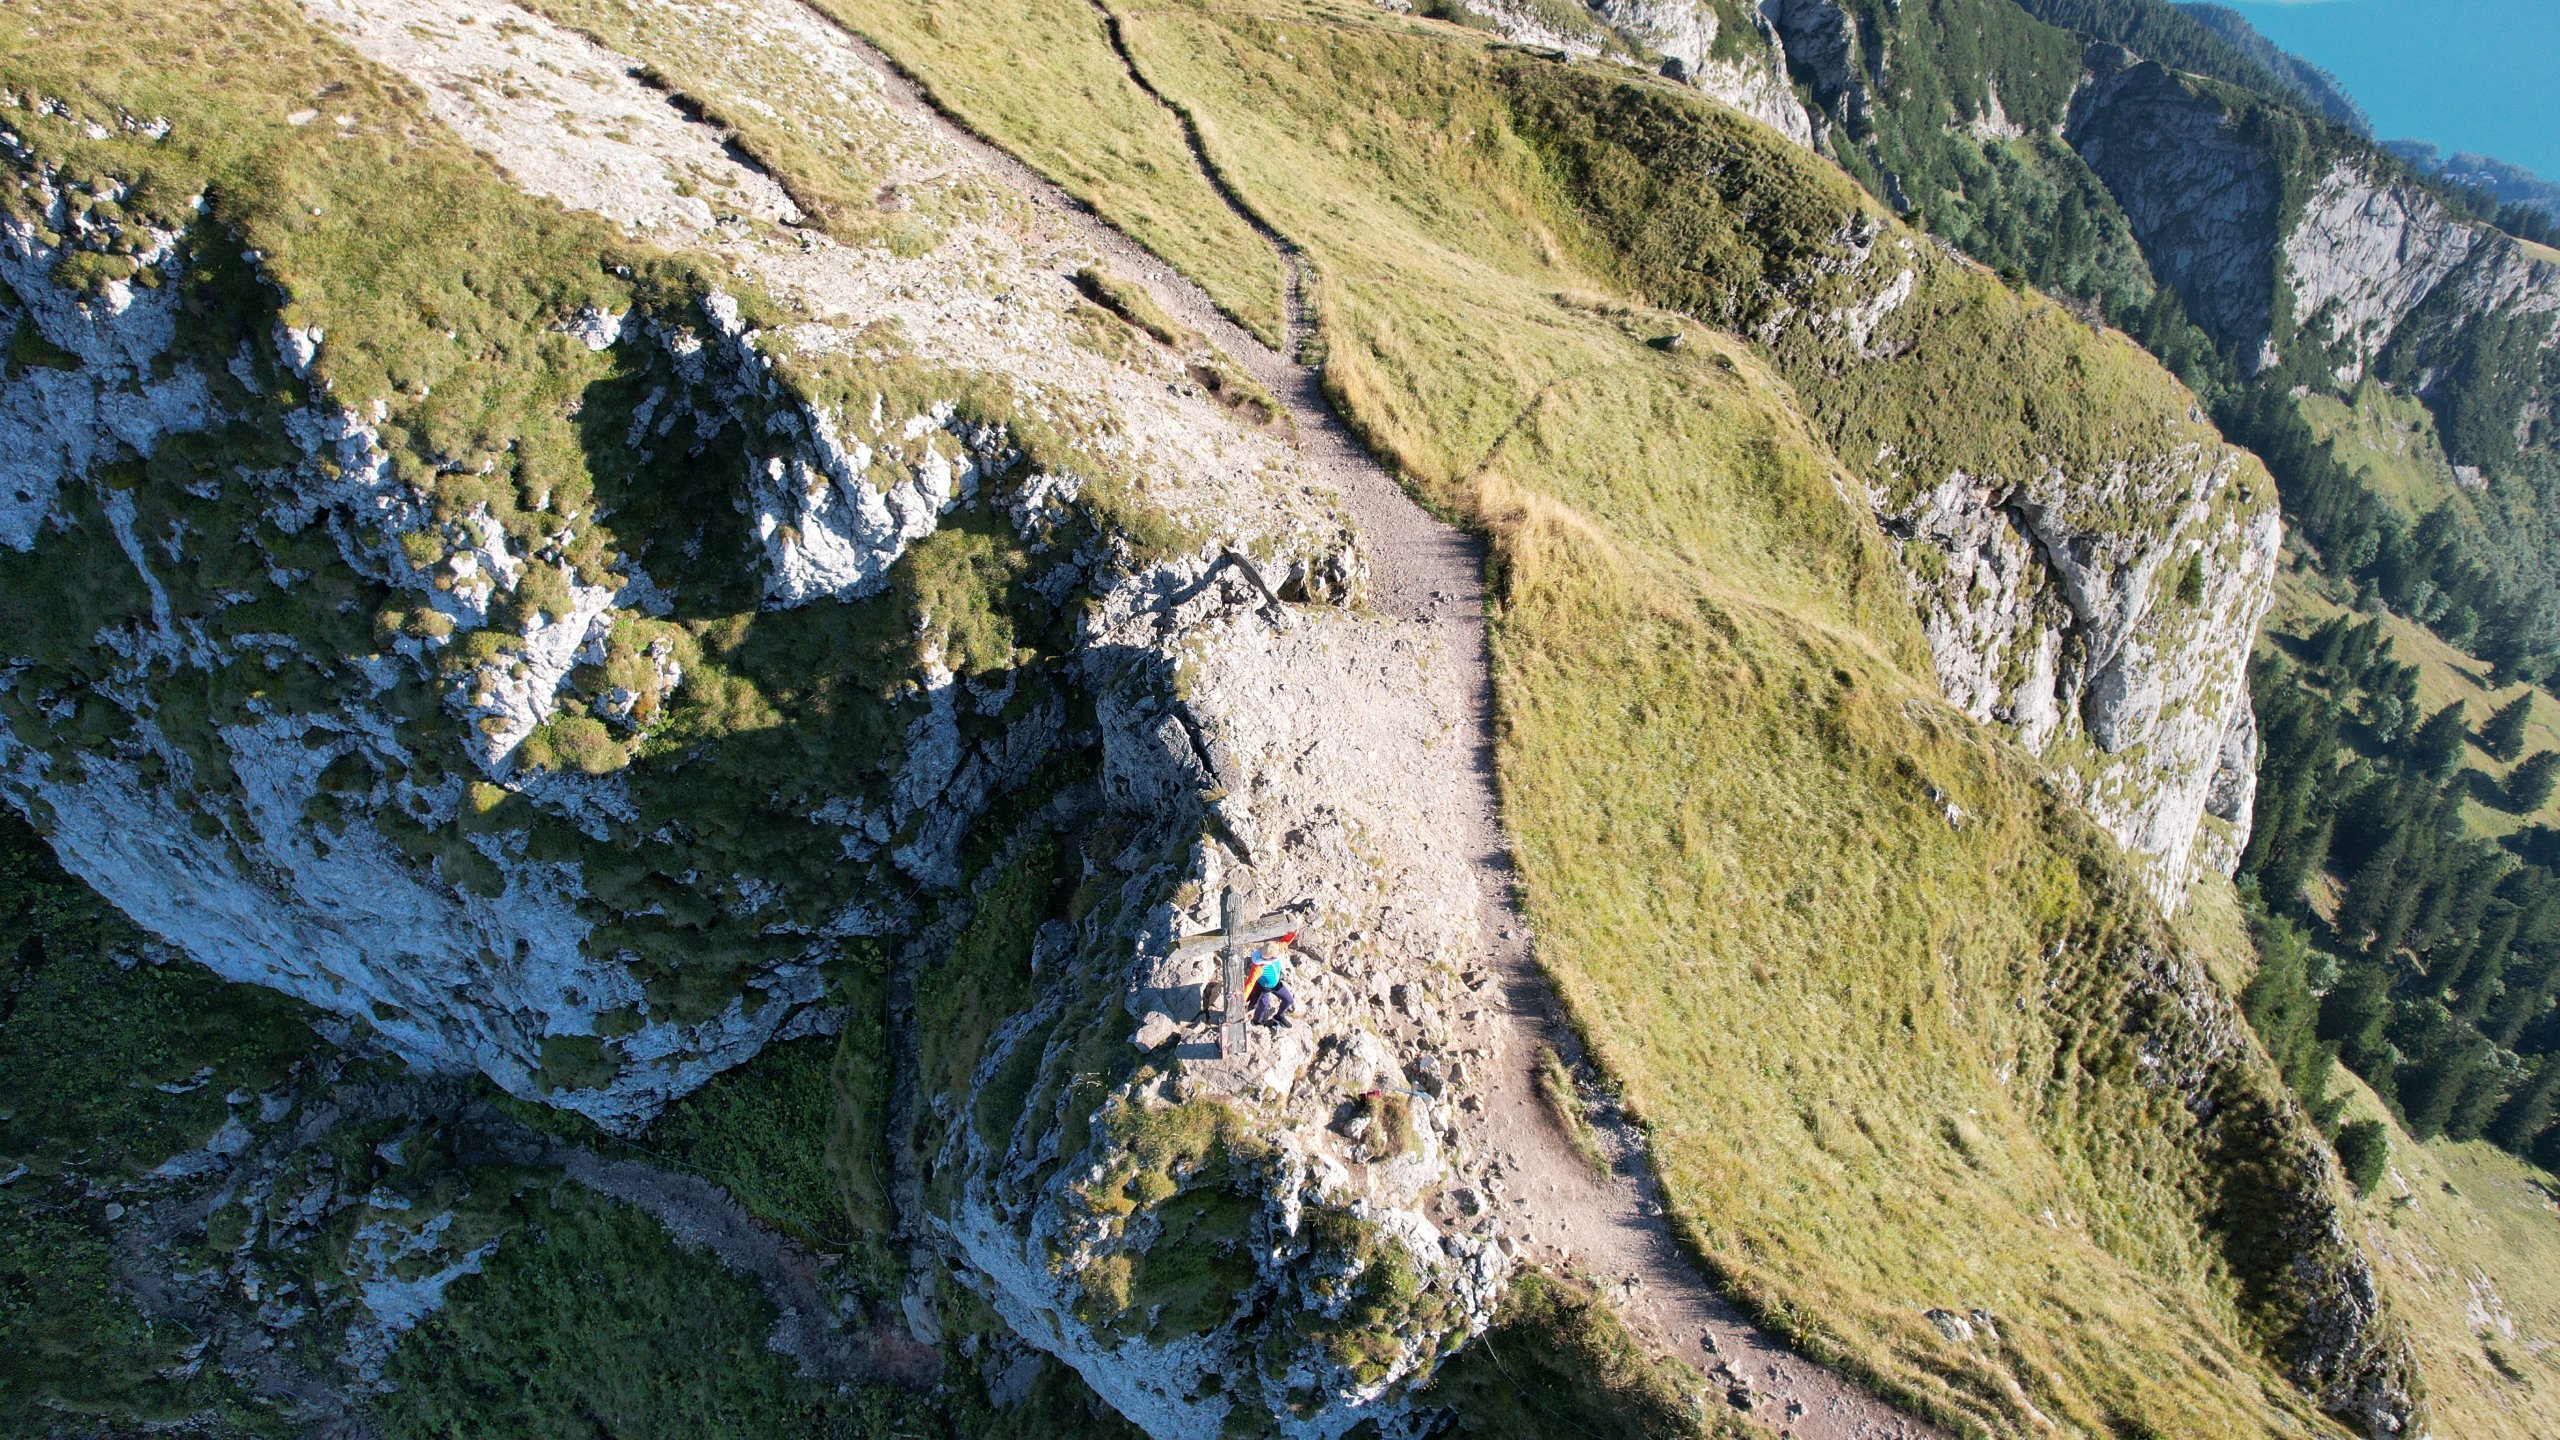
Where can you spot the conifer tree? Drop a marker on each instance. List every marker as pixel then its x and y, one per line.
pixel 2352 1016
pixel 2530 1110
pixel 2364 1149
pixel 2435 747
pixel 2483 1093
pixel 2503 736
pixel 2431 1088
pixel 2532 782
pixel 2374 890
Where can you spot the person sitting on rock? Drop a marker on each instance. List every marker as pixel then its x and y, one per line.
pixel 1269 989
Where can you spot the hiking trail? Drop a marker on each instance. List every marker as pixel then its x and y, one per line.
pixel 1610 1229
pixel 1426 592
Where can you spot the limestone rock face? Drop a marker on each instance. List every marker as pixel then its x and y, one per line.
pixel 2134 643
pixel 2363 255
pixel 2201 196
pixel 2367 275
pixel 2105 615
pixel 1820 39
pixel 1747 71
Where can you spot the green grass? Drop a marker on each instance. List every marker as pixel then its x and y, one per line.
pixel 86 1043
pixel 1046 87
pixel 761 1133
pixel 589 1321
pixel 1131 304
pixel 2389 439
pixel 1557 1362
pixel 2460 1234
pixel 1718 732
pixel 986 977
pixel 90 1041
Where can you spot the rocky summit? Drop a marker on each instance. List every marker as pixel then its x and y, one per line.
pixel 1305 717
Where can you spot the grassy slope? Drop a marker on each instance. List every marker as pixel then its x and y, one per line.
pixel 2390 440
pixel 1718 749
pixel 1057 97
pixel 2445 675
pixel 2461 1233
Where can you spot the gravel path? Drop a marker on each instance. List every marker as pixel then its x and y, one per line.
pixel 1607 1228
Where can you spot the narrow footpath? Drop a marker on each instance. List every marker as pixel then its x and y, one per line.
pixel 1607 1228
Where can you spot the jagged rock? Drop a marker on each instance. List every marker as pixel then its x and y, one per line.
pixel 2120 606
pixel 1684 34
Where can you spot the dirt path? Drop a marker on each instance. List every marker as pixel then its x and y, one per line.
pixel 1608 1228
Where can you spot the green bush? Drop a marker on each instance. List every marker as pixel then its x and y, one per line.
pixel 573 742
pixel 2364 1148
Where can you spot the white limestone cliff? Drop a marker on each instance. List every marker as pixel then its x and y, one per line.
pixel 1685 39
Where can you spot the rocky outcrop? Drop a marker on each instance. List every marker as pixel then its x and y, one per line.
pixel 1262 1232
pixel 333 846
pixel 2294 246
pixel 1743 66
pixel 1688 40
pixel 2362 256
pixel 2135 643
pixel 2104 611
pixel 2201 195
pixel 2299 1272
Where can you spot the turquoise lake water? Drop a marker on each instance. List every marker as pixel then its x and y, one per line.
pixel 2478 75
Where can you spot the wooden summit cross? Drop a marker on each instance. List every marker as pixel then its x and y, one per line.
pixel 1234 937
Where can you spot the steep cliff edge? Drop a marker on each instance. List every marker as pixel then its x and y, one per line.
pixel 2307 249
pixel 793 574
pixel 2101 601
pixel 586 708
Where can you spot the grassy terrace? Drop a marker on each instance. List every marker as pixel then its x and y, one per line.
pixel 1881 1056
